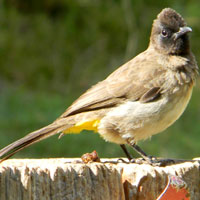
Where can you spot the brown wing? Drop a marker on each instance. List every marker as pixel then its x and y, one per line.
pixel 130 81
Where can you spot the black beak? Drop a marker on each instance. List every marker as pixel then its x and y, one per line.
pixel 182 31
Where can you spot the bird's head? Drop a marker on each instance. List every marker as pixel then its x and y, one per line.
pixel 169 33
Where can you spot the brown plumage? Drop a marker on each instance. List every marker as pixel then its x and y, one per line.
pixel 141 98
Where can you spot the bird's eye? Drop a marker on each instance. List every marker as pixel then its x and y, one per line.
pixel 164 33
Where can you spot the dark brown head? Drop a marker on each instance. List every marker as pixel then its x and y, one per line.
pixel 169 33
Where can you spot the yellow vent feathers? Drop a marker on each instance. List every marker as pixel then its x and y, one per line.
pixel 84 125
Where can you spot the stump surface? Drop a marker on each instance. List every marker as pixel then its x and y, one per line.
pixel 64 179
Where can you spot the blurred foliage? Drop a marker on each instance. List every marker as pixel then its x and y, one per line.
pixel 53 50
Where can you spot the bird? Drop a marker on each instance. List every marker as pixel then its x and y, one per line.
pixel 139 99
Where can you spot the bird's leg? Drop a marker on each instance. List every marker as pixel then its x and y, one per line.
pixel 150 159
pixel 126 152
pixel 141 152
pixel 147 158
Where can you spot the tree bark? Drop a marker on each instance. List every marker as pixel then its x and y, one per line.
pixel 67 179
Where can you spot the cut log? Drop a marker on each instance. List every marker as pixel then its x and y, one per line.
pixel 69 179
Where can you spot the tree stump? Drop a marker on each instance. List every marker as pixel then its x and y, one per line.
pixel 67 179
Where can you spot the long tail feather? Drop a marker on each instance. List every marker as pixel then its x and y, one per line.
pixel 29 139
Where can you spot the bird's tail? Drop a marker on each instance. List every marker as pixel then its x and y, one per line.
pixel 29 139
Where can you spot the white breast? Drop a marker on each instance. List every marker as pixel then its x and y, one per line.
pixel 138 121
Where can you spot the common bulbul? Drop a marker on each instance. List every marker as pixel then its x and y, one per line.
pixel 141 98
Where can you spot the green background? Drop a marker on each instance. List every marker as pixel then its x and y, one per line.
pixel 53 50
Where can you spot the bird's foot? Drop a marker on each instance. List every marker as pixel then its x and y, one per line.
pixel 165 162
pixel 121 160
pixel 148 160
pixel 153 161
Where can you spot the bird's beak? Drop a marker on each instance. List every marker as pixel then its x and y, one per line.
pixel 182 31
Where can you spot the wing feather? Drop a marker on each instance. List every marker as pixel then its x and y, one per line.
pixel 129 82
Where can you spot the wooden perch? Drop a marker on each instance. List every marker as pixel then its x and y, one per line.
pixel 63 179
